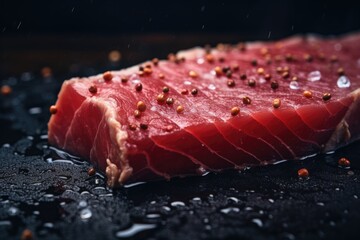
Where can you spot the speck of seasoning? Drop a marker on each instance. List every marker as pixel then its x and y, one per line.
pixel 254 62
pixel 251 82
pixel 307 94
pixel 344 162
pixel 334 58
pixel 221 59
pixel 161 98
pixel 308 58
pixel 143 126
pixel 193 74
pixel 321 56
pixel 228 74
pixel 141 73
pixel 246 100
pixel 303 173
pixel 166 89
pixel 285 74
pixel 138 87
pixel 93 89
pixel 141 106
pixel 274 85
pixel 180 109
pixel 243 76
pixel 169 101
pixel 114 56
pixel 161 76
pixel 241 47
pixel 235 67
pixel 155 61
pixel 235 111
pixel 6 90
pixel 184 91
pixel 289 57
pixel 209 58
pixel 141 68
pixel 231 83
pixel 326 96
pixel 294 78
pixel 207 48
pixel 286 69
pixel 107 76
pixel 276 103
pixel 267 77
pixel 279 69
pixel 225 69
pixel 132 127
pixel 91 171
pixel 53 109
pixel 46 72
pixel 264 51
pixel 27 235
pixel 137 114
pixel 260 71
pixel 124 79
pixel 218 70
pixel 148 71
pixel 340 71
pixel 194 91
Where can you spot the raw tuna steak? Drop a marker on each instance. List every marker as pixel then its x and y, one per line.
pixel 213 109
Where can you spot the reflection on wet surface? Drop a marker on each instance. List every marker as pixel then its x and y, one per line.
pixel 51 193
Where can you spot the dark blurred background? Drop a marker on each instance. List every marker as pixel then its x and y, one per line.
pixel 66 34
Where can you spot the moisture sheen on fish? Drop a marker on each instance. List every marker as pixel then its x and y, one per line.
pixel 210 109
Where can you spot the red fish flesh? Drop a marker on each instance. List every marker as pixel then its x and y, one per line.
pixel 210 109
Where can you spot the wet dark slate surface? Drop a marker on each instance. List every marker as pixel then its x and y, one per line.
pixel 50 193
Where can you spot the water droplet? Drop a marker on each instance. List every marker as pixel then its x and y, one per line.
pixel 271 200
pixel 262 80
pixel 258 222
pixel 202 171
pixel 187 83
pixel 200 61
pixel 48 225
pixel 153 108
pixel 314 76
pixel 211 87
pixel 35 110
pixel 82 204
pixel 166 208
pixel 136 81
pixel 320 204
pixel 343 82
pixel 208 227
pixel 196 199
pixel 294 85
pixel 85 214
pixel 248 209
pixel 233 199
pixel 230 209
pixel 133 184
pixel 13 211
pixel 134 229
pixel 177 204
pixel 356 197
pixel 153 215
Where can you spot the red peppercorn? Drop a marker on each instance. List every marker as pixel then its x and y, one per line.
pixel 344 162
pixel 303 173
pixel 107 76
